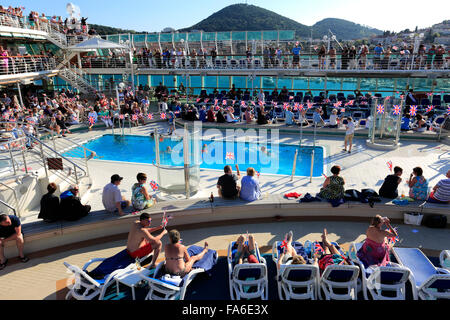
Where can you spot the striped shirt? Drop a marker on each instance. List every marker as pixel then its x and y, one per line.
pixel 443 191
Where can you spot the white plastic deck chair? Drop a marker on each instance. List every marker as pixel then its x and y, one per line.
pixel 163 290
pixel 247 280
pixel 444 259
pixel 428 282
pixel 296 282
pixel 380 280
pixel 339 277
pixel 84 286
pixel 87 288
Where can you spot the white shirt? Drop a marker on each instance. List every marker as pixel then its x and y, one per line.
pixel 333 120
pixel 230 117
pixel 163 106
pixel 111 195
pixel 350 128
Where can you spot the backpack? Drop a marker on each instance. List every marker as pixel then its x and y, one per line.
pixel 435 221
pixel 352 195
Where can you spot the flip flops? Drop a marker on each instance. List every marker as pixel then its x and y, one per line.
pixel 24 259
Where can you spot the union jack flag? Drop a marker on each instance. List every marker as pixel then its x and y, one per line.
pixel 163 116
pixel 216 102
pixel 326 101
pixel 448 110
pixel 295 106
pixel 430 108
pixel 285 106
pixel 243 103
pixel 387 98
pixel 253 103
pixel 350 103
pixel 430 94
pixel 224 102
pixel 229 156
pixel 380 109
pixel 317 247
pixel 121 117
pixel 206 100
pixel 343 110
pixel 301 107
pixel 310 105
pixel 233 102
pixel 261 103
pixel 134 117
pixel 198 100
pixel 413 110
pixel 150 116
pixel 397 110
pixel 390 165
pixel 165 220
pixel 284 245
pixel 338 104
pixel 91 120
pixel 154 185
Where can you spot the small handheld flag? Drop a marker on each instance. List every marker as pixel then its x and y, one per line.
pixel 284 245
pixel 413 111
pixel 163 116
pixel 91 121
pixel 229 156
pixel 430 108
pixel 150 116
pixel 397 110
pixel 380 109
pixel 134 117
pixel 390 165
pixel 154 185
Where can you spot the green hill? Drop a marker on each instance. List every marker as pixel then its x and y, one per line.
pixel 240 17
pixel 343 29
pixel 104 30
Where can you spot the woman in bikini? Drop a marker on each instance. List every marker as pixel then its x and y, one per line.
pixel 178 261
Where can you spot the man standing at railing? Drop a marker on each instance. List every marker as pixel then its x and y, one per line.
pixel 11 230
pixel 296 53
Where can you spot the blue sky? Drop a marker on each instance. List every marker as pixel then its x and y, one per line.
pixel 152 15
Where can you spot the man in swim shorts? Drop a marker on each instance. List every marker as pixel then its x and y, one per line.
pixel 141 242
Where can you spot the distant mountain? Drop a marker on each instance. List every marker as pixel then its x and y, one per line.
pixel 104 30
pixel 243 17
pixel 343 29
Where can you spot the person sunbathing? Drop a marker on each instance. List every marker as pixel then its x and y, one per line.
pixel 375 250
pixel 290 254
pixel 141 242
pixel 245 253
pixel 330 255
pixel 178 261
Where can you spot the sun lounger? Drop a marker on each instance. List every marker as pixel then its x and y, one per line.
pixel 163 287
pixel 428 282
pixel 383 283
pixel 247 280
pixel 86 287
pixel 338 282
pixel 296 282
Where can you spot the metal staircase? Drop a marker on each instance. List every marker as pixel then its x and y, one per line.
pixel 76 81
pixel 52 158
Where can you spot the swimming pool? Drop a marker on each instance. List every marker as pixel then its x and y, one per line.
pixel 276 159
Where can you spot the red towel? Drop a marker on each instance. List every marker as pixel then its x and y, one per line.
pixel 293 195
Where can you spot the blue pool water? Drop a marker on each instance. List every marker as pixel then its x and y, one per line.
pixel 278 159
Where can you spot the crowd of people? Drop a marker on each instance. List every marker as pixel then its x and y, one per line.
pixel 346 57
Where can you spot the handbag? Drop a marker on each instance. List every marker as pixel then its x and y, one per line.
pixel 413 218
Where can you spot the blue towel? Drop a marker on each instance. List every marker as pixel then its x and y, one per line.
pixel 207 262
pixel 298 248
pixel 401 202
pixel 336 202
pixel 119 261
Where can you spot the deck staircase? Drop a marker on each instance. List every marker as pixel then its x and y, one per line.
pixel 32 170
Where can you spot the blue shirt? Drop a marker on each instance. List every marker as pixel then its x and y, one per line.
pixel 296 51
pixel 202 115
pixel 289 117
pixel 250 190
pixel 378 51
pixel 317 117
pixel 405 123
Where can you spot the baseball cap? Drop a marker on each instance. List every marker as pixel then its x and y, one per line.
pixel 115 178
